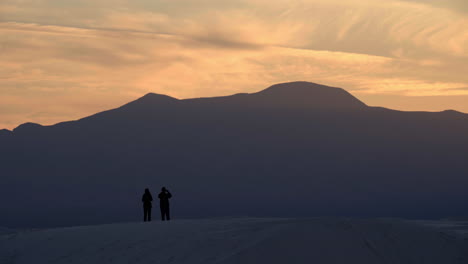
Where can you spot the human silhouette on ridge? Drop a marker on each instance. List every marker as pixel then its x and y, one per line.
pixel 147 200
pixel 164 197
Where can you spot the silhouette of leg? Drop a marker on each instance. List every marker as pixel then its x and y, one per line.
pixel 162 213
pixel 145 214
pixel 149 214
pixel 167 214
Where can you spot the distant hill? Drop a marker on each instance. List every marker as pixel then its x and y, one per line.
pixel 294 149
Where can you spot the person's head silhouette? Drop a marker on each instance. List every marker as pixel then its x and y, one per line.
pixel 146 190
pixel 163 189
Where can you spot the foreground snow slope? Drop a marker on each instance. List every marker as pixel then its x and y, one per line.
pixel 243 240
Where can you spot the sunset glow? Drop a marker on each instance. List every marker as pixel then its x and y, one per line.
pixel 63 60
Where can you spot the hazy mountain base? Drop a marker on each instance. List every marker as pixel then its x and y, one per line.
pixel 242 240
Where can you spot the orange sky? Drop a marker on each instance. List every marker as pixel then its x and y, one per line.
pixel 65 59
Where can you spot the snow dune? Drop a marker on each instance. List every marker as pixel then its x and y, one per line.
pixel 241 240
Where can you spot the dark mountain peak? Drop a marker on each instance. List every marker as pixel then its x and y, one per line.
pixel 5 132
pixel 311 95
pixel 154 98
pixel 151 100
pixel 139 108
pixel 454 112
pixel 298 86
pixel 26 127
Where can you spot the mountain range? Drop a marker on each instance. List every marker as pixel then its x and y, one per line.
pixel 293 149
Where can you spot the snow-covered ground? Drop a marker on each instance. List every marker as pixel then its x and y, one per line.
pixel 449 226
pixel 240 240
pixel 4 231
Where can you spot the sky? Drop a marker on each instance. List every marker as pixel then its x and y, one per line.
pixel 65 59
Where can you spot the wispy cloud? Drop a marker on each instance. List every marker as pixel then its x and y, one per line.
pixel 454 5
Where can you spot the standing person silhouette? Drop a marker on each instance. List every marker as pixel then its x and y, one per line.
pixel 164 197
pixel 147 199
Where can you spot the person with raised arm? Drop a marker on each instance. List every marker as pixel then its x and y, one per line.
pixel 164 197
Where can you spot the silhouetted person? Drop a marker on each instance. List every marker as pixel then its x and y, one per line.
pixel 147 199
pixel 164 197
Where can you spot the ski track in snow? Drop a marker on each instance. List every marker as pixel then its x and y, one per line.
pixel 243 240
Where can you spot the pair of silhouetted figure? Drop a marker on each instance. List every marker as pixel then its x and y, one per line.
pixel 147 200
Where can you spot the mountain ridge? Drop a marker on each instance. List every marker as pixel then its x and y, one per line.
pixel 298 94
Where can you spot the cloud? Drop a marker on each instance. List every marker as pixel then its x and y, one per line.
pixel 455 5
pixel 62 53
